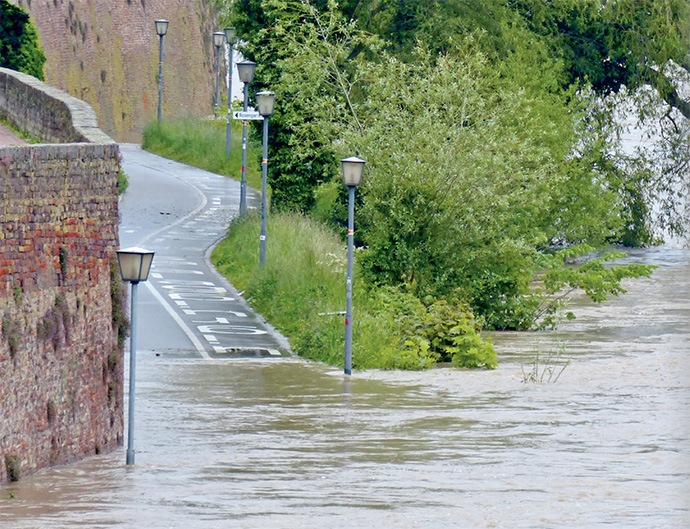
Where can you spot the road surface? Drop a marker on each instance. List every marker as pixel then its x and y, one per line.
pixel 7 137
pixel 180 212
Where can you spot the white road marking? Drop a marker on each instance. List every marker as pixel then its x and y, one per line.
pixel 180 271
pixel 188 282
pixel 217 320
pixel 211 339
pixel 234 312
pixel 230 329
pixel 175 316
pixel 196 297
pixel 182 289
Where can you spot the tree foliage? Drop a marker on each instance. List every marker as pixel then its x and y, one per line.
pixel 631 51
pixel 300 161
pixel 19 46
pixel 612 44
pixel 481 158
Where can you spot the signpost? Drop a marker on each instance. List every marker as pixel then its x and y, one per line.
pixel 243 116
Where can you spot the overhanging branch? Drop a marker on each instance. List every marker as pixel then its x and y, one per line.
pixel 666 89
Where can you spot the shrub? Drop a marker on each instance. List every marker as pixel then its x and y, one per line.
pixel 301 290
pixel 427 331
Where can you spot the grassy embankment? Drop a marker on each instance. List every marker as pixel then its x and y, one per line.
pixel 301 289
pixel 201 143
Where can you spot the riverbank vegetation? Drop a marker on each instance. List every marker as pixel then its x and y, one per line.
pixel 496 182
pixel 301 290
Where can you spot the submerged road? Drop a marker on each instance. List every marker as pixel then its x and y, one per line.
pixel 180 212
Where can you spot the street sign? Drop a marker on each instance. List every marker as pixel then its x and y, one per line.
pixel 246 115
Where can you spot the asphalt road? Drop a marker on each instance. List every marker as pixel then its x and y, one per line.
pixel 180 212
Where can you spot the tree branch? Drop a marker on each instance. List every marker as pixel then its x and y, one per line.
pixel 668 91
pixel 336 70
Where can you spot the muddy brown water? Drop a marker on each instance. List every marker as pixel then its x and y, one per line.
pixel 289 444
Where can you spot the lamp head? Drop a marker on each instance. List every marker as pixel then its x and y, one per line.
pixel 230 35
pixel 353 168
pixel 246 71
pixel 265 101
pixel 135 264
pixel 161 26
pixel 218 38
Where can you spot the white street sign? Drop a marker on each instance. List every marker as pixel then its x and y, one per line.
pixel 246 115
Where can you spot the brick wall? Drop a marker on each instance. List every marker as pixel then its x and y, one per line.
pixel 105 52
pixel 61 367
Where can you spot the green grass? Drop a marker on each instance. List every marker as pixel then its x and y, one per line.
pixel 122 182
pixel 201 143
pixel 303 283
pixel 304 271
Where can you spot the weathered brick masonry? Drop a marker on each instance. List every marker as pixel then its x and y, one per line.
pixel 61 367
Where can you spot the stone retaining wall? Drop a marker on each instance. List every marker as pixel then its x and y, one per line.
pixel 61 363
pixel 45 112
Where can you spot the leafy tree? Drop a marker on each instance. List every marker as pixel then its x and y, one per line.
pixel 613 44
pixel 300 161
pixel 607 45
pixel 471 172
pixel 470 178
pixel 19 47
pixel 619 48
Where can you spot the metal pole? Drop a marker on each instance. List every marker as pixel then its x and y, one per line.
pixel 350 259
pixel 228 130
pixel 160 77
pixel 243 182
pixel 132 375
pixel 264 171
pixel 217 77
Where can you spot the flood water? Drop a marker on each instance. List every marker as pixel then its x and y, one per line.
pixel 289 444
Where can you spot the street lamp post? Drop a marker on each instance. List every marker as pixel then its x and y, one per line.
pixel 353 168
pixel 218 38
pixel 134 264
pixel 230 38
pixel 246 72
pixel 161 30
pixel 265 101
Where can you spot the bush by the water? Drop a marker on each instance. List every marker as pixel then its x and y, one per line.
pixel 301 290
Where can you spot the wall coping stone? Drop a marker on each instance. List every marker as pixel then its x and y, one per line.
pixel 81 121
